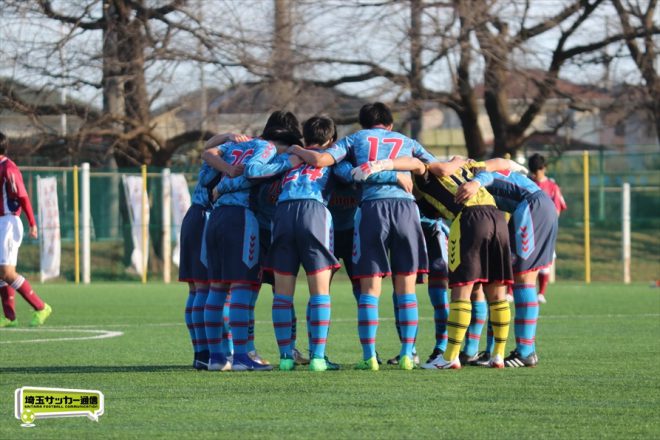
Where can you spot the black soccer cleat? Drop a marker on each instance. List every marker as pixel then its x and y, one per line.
pixel 468 360
pixel 515 360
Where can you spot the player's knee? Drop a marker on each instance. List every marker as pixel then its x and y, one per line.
pixel 7 273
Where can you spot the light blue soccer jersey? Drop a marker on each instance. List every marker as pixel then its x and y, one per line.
pixel 508 188
pixel 307 182
pixel 376 144
pixel 254 154
pixel 265 194
pixel 201 193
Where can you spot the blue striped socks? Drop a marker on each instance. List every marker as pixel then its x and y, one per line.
pixel 440 301
pixel 368 324
pixel 408 318
pixel 479 316
pixel 282 323
pixel 319 322
pixel 197 316
pixel 527 314
pixel 239 317
pixel 213 321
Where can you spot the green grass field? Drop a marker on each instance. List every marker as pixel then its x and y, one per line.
pixel 598 377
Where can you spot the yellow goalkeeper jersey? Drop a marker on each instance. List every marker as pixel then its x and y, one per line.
pixel 439 192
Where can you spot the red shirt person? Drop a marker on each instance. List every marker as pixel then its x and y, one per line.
pixel 14 200
pixel 536 165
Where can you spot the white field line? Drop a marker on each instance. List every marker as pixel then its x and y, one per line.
pixel 96 334
pixel 346 320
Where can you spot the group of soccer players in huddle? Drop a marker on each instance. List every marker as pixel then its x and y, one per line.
pixel 380 202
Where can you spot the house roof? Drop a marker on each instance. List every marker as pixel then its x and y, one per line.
pixel 264 97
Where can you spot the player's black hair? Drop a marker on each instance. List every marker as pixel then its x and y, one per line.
pixel 318 130
pixel 374 114
pixel 3 143
pixel 535 162
pixel 282 127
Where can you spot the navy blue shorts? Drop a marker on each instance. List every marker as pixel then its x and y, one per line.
pixel 191 268
pixel 343 249
pixel 232 246
pixel 302 234
pixel 533 233
pixel 436 245
pixel 388 228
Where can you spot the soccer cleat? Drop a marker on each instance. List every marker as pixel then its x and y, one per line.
pixel 466 359
pixel 255 357
pixel 515 360
pixel 482 360
pixel 441 364
pixel 434 354
pixel 397 359
pixel 496 362
pixel 541 298
pixel 8 323
pixel 287 363
pixel 298 358
pixel 242 362
pixel 406 363
pixel 40 316
pixel 509 297
pixel 368 364
pixel 393 361
pixel 200 365
pixel 219 364
pixel 317 364
pixel 331 365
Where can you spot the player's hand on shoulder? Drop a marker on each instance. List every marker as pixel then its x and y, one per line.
pixel 404 180
pixel 236 170
pixel 295 160
pixel 240 137
pixel 466 190
pixel 294 149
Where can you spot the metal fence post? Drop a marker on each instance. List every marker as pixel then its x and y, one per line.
pixel 625 222
pixel 86 224
pixel 167 224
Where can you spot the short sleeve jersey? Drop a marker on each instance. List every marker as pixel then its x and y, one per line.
pixel 376 144
pixel 235 191
pixel 439 192
pixel 550 187
pixel 508 188
pixel 201 194
pixel 307 182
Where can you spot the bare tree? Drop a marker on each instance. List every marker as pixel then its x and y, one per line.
pixel 127 49
pixel 633 16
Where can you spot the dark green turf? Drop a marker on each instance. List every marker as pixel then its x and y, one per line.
pixel 599 374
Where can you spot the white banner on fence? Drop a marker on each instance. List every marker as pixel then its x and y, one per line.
pixel 50 245
pixel 180 204
pixel 133 192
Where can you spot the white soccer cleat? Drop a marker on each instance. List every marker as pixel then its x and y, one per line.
pixel 220 365
pixel 541 298
pixel 439 363
pixel 496 361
